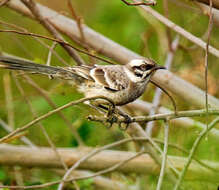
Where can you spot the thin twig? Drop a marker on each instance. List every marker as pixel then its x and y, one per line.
pixel 171 98
pixel 9 129
pixel 164 160
pixel 193 150
pixel 187 123
pixel 91 154
pixel 58 41
pixel 187 152
pixel 78 20
pixel 11 119
pixel 18 130
pixel 215 3
pixel 52 145
pixel 43 93
pixel 210 24
pixel 168 31
pixel 32 6
pixel 48 62
pixel 22 92
pixel 3 2
pixel 9 99
pixel 158 92
pixel 140 3
pixel 37 39
pixel 211 125
pixel 180 30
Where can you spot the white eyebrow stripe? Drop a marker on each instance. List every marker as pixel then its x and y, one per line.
pixel 136 62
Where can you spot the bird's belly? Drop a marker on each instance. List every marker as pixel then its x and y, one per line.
pixel 118 97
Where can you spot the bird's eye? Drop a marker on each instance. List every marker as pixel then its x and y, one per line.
pixel 143 67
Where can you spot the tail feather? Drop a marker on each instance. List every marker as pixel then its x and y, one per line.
pixel 24 65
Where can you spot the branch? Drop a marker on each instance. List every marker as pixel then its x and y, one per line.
pixel 206 10
pixel 45 157
pixel 34 114
pixel 215 3
pixel 214 122
pixel 140 3
pixel 4 2
pixel 104 171
pixel 193 150
pixel 188 123
pixel 210 24
pixel 10 25
pixel 158 92
pixel 24 139
pixel 99 181
pixel 163 166
pixel 53 105
pixel 167 116
pixel 55 40
pixel 179 30
pixel 21 129
pixel 36 12
pixel 110 169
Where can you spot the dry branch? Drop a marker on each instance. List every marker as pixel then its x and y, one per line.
pixel 32 6
pixel 179 30
pixel 140 3
pixel 168 116
pixel 215 3
pixel 53 105
pixel 158 93
pixel 119 53
pixel 193 150
pixel 44 116
pixel 99 181
pixel 45 157
pixel 188 123
pixel 206 10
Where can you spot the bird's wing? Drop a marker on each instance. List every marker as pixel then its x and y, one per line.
pixel 82 71
pixel 111 77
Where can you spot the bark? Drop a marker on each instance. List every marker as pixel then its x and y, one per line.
pixel 45 157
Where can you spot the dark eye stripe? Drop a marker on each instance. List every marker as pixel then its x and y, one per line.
pixel 139 75
pixel 144 67
pixel 148 67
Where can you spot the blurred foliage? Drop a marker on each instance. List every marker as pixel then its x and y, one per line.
pixel 132 29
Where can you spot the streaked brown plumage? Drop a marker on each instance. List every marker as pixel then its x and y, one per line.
pixel 120 83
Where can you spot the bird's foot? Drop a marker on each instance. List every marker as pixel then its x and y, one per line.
pixel 125 124
pixel 111 116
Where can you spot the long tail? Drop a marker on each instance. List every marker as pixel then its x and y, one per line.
pixel 7 62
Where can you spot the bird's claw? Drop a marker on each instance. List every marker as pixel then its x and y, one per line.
pixel 111 120
pixel 126 122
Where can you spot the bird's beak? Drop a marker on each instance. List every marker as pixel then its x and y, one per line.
pixel 158 67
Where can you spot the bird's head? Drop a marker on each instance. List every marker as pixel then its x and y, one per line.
pixel 140 70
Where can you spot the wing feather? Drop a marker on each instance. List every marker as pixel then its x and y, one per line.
pixel 112 78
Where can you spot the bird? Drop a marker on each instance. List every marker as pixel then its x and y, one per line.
pixel 120 83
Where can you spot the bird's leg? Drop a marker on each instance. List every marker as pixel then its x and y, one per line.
pixel 127 118
pixel 109 110
pixel 112 114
